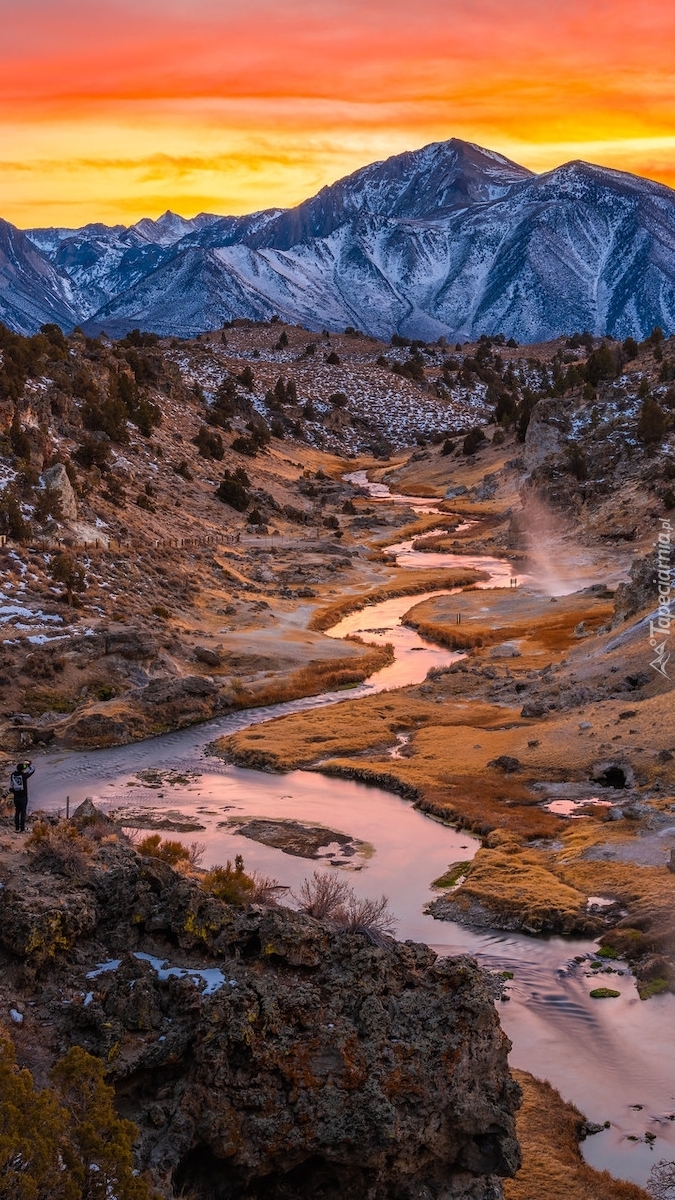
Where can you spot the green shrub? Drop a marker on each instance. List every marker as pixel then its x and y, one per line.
pixel 107 416
pixel 19 441
pixel 92 452
pixel 183 470
pixel 224 405
pixel 114 492
pixel 36 1155
pixel 233 489
pixel 246 377
pixel 651 427
pixel 12 521
pixel 230 883
pixel 473 440
pixel 63 569
pixel 100 1141
pixel 48 504
pixel 209 444
pixel 168 851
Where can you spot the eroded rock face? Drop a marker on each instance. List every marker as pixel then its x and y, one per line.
pixel 279 1058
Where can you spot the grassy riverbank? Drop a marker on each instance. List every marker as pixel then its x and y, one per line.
pixel 553 1167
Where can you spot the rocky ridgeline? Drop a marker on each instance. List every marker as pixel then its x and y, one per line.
pixel 260 1052
pixel 449 239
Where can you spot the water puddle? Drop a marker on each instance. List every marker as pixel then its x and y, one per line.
pixel 575 808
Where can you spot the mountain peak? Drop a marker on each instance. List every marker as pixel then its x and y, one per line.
pixel 450 238
pixel 423 183
pixel 165 230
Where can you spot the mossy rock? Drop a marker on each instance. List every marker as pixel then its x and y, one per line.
pixel 653 987
pixel 604 993
pixel 607 952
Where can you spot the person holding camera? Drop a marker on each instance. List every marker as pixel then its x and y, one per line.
pixel 19 788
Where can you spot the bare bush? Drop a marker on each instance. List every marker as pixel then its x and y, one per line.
pixel 322 895
pixel 327 897
pixel 100 829
pixel 366 915
pixel 196 852
pixel 266 889
pixel 661 1181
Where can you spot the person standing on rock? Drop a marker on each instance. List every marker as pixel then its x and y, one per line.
pixel 19 787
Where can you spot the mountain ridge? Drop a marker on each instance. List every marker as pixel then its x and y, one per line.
pixel 451 239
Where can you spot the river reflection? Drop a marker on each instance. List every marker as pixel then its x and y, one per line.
pixel 607 1056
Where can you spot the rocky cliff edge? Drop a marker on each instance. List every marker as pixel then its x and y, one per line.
pixel 260 1052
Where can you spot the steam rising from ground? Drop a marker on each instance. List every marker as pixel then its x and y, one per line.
pixel 558 565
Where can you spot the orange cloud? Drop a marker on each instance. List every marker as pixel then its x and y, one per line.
pixel 114 110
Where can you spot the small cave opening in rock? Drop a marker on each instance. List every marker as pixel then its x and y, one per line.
pixel 202 1175
pixel 612 777
pixel 252 948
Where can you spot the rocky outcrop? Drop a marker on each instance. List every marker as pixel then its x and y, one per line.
pixel 639 591
pixel 546 433
pixel 262 1053
pixel 129 643
pixel 57 479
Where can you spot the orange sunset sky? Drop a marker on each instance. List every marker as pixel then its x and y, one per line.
pixel 112 109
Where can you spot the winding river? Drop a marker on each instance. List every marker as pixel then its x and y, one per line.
pixel 608 1057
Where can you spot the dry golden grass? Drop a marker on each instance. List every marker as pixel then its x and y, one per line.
pixel 419 527
pixel 648 892
pixel 508 879
pixel 352 728
pixel 326 675
pixel 437 543
pixel 553 1168
pixel 513 615
pixel 401 583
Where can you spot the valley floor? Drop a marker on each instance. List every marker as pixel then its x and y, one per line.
pixel 550 736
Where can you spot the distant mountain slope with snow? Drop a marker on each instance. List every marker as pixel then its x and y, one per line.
pixel 451 239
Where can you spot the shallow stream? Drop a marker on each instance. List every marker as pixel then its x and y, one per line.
pixel 608 1056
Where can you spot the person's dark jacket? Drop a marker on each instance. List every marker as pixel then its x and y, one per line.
pixel 22 797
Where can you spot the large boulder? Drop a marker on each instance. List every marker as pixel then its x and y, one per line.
pixel 547 432
pixel 57 479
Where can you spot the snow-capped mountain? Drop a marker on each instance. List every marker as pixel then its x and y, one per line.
pixel 451 239
pixel 32 291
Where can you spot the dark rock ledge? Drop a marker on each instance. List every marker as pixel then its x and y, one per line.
pixel 305 1063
